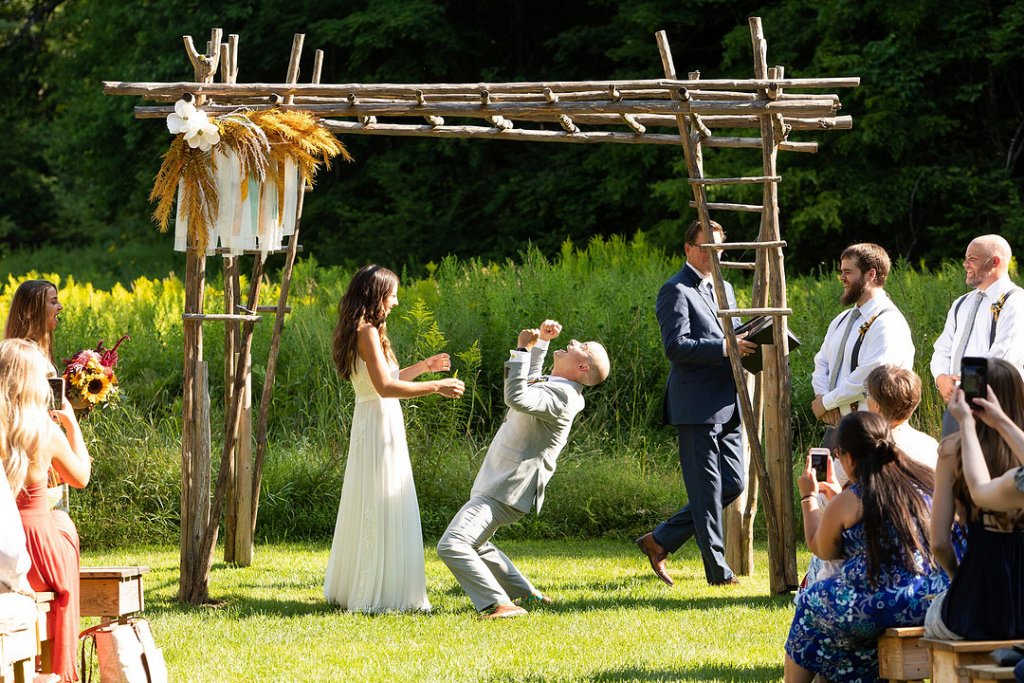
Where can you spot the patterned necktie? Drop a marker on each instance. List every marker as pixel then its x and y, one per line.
pixel 961 345
pixel 837 365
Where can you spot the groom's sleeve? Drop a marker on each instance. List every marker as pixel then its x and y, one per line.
pixel 537 354
pixel 539 400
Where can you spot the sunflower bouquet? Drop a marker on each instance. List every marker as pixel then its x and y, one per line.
pixel 89 377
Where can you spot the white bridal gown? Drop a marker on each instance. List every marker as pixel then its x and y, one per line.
pixel 376 561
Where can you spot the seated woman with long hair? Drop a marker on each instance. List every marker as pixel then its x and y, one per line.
pixel 33 315
pixel 30 442
pixel 879 526
pixel 986 599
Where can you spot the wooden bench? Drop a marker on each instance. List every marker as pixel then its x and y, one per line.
pixel 951 657
pixel 111 593
pixel 901 656
pixel 986 673
pixel 18 650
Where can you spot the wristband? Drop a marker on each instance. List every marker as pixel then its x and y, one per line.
pixel 809 496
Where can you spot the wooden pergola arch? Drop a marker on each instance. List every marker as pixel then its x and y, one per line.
pixel 687 112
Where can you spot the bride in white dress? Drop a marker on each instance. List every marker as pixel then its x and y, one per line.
pixel 376 562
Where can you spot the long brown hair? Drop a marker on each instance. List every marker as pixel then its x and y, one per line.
pixel 24 403
pixel 364 301
pixel 27 317
pixel 892 493
pixel 1008 387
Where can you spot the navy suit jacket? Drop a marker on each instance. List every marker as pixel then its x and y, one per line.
pixel 700 387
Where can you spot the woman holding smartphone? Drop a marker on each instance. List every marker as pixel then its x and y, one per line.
pixel 986 598
pixel 34 315
pixel 879 526
pixel 376 562
pixel 30 443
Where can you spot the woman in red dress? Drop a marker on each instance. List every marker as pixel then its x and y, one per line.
pixel 30 443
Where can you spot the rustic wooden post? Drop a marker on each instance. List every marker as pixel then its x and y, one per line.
pixel 778 434
pixel 195 427
pixel 232 329
pixel 241 506
pixel 698 183
pixel 275 338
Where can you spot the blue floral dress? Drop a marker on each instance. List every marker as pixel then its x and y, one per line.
pixel 838 620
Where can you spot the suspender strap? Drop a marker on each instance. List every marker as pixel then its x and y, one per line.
pixel 997 308
pixel 855 354
pixel 956 310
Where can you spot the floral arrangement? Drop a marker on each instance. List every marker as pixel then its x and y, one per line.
pixel 89 376
pixel 264 145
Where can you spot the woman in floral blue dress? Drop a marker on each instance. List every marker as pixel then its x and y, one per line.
pixel 879 526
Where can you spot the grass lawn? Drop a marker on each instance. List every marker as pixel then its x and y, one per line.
pixel 612 621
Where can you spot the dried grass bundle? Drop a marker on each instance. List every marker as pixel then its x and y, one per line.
pixel 263 140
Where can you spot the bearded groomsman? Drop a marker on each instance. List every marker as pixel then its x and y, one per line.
pixel 986 322
pixel 859 339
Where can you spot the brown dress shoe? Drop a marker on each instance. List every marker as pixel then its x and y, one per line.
pixel 731 581
pixel 504 611
pixel 656 555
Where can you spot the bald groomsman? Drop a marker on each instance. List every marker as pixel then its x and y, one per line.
pixel 986 321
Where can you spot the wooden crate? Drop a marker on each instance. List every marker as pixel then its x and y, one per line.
pixel 901 657
pixel 111 592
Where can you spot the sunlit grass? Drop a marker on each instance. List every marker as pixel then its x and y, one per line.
pixel 612 621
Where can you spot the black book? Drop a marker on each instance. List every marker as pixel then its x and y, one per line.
pixel 760 330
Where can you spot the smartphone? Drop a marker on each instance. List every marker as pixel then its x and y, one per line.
pixel 56 392
pixel 973 378
pixel 819 461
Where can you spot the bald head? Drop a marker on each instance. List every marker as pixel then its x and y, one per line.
pixel 987 259
pixel 600 366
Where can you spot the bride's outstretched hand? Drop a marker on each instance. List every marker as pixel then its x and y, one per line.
pixel 442 362
pixel 451 387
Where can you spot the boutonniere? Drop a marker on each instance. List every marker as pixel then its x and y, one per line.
pixel 997 307
pixel 866 325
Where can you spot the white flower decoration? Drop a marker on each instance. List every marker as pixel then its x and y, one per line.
pixel 178 122
pixel 202 133
pixel 199 131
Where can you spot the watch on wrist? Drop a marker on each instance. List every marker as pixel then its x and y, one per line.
pixel 523 349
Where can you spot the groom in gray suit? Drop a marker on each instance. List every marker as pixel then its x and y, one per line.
pixel 518 465
pixel 700 402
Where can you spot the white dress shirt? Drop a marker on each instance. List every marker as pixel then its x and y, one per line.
pixel 1009 341
pixel 886 342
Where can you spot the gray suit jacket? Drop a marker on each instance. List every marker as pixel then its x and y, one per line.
pixel 524 452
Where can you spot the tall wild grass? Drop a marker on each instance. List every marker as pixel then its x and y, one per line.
pixel 619 474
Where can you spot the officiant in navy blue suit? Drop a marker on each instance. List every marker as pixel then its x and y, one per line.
pixel 701 403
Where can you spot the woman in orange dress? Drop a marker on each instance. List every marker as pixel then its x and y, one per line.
pixel 30 443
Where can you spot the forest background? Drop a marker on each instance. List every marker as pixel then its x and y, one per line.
pixel 936 153
pixel 934 158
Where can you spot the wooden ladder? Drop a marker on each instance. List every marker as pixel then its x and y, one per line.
pixel 768 298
